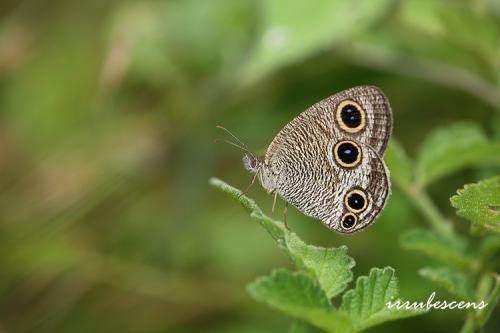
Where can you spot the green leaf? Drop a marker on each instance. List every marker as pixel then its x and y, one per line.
pixel 455 282
pixel 367 303
pixel 293 30
pixel 480 203
pixel 399 164
pixel 298 295
pixel 330 266
pixel 449 249
pixel 450 149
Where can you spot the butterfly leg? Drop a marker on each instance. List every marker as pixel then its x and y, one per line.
pixel 284 215
pixel 284 212
pixel 248 187
pixel 274 201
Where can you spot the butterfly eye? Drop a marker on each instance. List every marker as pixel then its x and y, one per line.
pixel 349 221
pixel 350 116
pixel 347 154
pixel 356 201
pixel 250 163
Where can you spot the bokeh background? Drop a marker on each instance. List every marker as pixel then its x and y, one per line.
pixel 107 125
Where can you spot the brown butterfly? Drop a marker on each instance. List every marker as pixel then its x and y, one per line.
pixel 327 162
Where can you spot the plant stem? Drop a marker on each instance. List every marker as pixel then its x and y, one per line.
pixel 439 72
pixel 476 319
pixel 469 325
pixel 483 314
pixel 431 212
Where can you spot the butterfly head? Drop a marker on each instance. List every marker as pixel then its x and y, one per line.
pixel 252 163
pixel 255 164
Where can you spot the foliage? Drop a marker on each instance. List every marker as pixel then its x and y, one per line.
pixel 444 152
pixel 293 30
pixel 366 304
pixel 480 203
pixel 323 274
pixel 452 148
pixel 455 282
pixel 448 248
pixel 298 295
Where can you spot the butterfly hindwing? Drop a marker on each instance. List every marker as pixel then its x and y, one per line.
pixel 362 191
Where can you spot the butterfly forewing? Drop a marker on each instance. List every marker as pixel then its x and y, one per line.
pixel 365 106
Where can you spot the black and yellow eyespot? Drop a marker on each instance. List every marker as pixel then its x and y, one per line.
pixel 350 116
pixel 356 200
pixel 348 221
pixel 347 154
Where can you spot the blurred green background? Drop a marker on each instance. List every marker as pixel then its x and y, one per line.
pixel 107 125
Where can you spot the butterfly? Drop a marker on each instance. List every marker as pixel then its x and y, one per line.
pixel 327 161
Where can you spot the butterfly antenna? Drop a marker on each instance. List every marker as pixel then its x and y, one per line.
pixel 240 144
pixel 232 135
pixel 235 145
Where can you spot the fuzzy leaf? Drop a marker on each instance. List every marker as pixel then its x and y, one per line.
pixel 330 266
pixel 448 249
pixel 399 164
pixel 455 282
pixel 293 30
pixel 450 149
pixel 480 203
pixel 367 303
pixel 298 295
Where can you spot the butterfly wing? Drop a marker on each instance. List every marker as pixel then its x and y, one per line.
pixel 361 113
pixel 326 162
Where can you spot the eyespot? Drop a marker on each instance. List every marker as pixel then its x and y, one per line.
pixel 347 154
pixel 356 201
pixel 349 221
pixel 350 116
